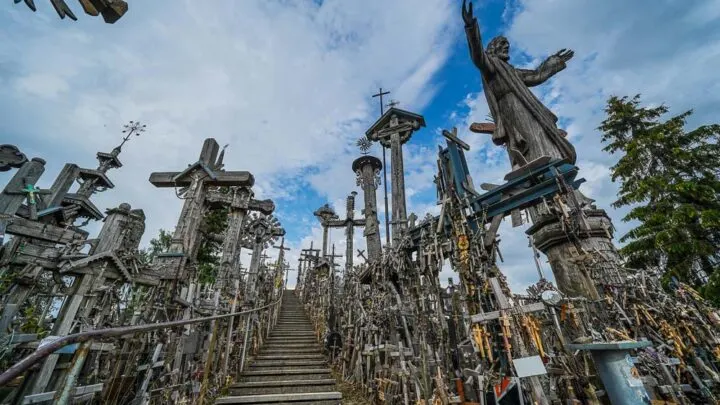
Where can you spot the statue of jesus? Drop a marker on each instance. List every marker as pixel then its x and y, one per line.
pixel 522 123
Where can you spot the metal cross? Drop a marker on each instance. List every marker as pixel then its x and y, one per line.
pixel 381 94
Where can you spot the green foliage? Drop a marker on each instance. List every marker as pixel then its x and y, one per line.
pixel 32 322
pixel 158 245
pixel 208 258
pixel 670 179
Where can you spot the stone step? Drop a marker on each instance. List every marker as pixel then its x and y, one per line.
pixel 294 349
pixel 301 330
pixel 290 356
pixel 282 387
pixel 310 397
pixel 292 336
pixel 290 350
pixel 305 373
pixel 282 363
pixel 290 341
pixel 293 331
pixel 291 344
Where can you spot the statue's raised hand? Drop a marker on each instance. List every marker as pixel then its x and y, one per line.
pixel 564 54
pixel 467 14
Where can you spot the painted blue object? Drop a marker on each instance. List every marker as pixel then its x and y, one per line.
pixel 520 192
pixel 527 188
pixel 69 349
pixel 617 371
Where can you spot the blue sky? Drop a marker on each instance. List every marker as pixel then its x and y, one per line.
pixel 288 85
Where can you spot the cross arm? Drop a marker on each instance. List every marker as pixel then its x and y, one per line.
pixel 525 309
pixel 227 179
pixel 263 206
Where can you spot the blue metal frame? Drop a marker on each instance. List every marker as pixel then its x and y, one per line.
pixel 520 192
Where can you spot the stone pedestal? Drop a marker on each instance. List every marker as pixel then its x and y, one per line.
pixel 570 246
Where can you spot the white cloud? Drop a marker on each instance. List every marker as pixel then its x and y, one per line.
pixel 286 84
pixel 41 85
pixel 621 49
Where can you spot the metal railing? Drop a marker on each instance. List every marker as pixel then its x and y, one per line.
pixel 41 352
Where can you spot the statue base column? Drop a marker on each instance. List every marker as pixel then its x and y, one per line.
pixel 569 247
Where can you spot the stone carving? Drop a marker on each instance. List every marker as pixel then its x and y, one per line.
pixel 522 123
pixel 11 157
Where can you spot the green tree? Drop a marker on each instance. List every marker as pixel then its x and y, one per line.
pixel 158 245
pixel 208 256
pixel 669 177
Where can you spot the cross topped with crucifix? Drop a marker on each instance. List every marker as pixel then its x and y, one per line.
pixel 392 130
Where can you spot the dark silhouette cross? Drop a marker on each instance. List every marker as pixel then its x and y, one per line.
pixel 381 94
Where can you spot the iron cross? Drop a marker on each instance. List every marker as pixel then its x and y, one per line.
pixel 381 94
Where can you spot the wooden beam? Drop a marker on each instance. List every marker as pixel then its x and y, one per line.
pixel 48 396
pixel 35 230
pixel 228 179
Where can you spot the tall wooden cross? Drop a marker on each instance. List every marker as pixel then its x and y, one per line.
pixel 349 223
pixel 281 258
pixel 387 209
pixel 196 178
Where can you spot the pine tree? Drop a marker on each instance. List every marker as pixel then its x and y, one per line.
pixel 670 179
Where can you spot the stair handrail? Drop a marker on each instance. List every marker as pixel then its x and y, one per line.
pixel 41 352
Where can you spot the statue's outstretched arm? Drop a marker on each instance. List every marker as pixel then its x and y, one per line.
pixel 472 32
pixel 552 65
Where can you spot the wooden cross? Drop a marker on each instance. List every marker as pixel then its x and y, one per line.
pixel 206 164
pixel 452 137
pixel 505 310
pixel 504 305
pixel 196 178
pixel 361 253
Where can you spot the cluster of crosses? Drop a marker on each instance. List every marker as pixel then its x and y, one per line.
pixel 600 332
pixel 94 319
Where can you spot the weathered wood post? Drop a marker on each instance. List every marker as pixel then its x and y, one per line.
pixel 392 130
pixel 367 168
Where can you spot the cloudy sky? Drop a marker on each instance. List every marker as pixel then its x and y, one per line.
pixel 287 86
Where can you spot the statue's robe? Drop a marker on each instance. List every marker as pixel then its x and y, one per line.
pixel 522 122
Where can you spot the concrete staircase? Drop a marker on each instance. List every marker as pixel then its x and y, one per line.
pixel 290 368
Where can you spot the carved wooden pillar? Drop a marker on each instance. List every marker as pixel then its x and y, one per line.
pixel 367 169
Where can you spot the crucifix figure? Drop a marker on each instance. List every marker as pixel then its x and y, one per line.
pixel 522 123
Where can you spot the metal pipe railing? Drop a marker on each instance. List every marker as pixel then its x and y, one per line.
pixel 40 353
